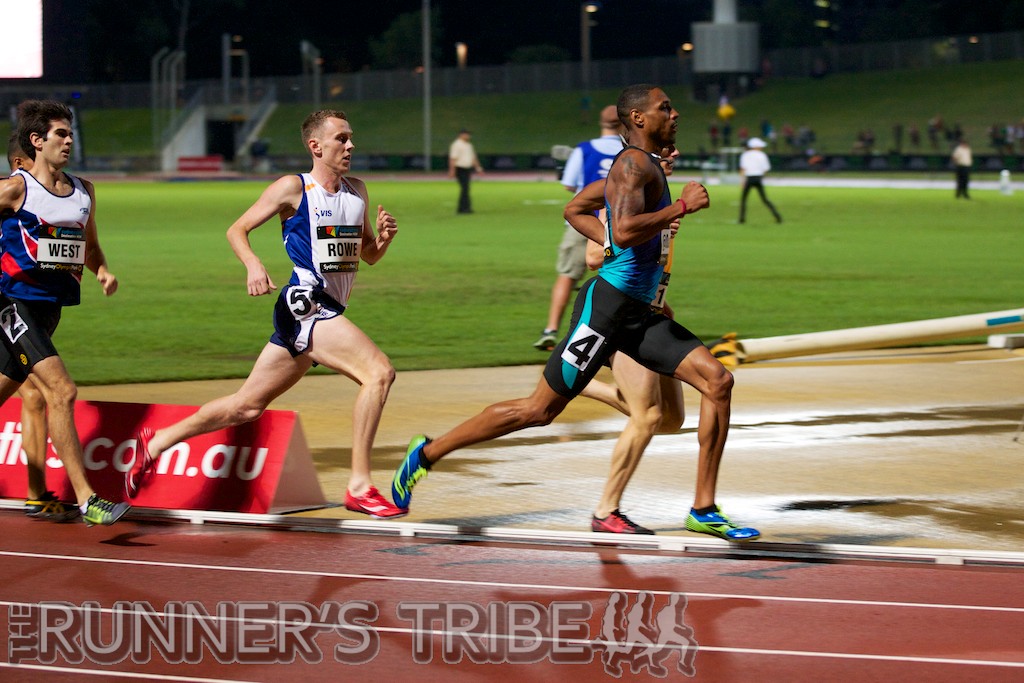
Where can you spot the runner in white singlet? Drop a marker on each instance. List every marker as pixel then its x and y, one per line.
pixel 49 236
pixel 327 230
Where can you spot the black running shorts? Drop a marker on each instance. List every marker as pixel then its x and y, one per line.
pixel 26 330
pixel 605 320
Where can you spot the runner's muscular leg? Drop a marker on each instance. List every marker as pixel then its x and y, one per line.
pixel 7 388
pixel 706 374
pixel 33 435
pixel 274 372
pixel 641 391
pixel 339 344
pixel 60 392
pixel 538 409
pixel 672 409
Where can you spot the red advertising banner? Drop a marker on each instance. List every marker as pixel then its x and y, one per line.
pixel 260 467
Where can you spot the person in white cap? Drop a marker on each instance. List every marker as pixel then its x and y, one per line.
pixel 754 164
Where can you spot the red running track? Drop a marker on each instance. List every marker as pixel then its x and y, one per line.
pixel 751 619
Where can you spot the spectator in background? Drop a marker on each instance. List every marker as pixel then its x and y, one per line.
pixel 865 141
pixel 1012 135
pixel 955 134
pixel 754 163
pixel 996 139
pixel 805 137
pixel 789 136
pixel 962 162
pixel 935 127
pixel 713 135
pixel 768 133
pixel 897 138
pixel 914 133
pixel 462 161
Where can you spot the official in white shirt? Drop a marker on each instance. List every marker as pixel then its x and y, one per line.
pixel 754 163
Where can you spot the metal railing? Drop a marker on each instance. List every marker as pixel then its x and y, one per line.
pixel 557 76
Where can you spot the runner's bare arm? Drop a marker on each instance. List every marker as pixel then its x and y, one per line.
pixel 375 244
pixel 282 199
pixel 626 190
pixel 12 194
pixel 579 212
pixel 95 259
pixel 595 255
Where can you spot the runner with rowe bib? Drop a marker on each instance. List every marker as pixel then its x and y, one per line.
pixel 324 240
pixel 328 228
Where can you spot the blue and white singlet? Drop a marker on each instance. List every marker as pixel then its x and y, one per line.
pixel 43 243
pixel 324 238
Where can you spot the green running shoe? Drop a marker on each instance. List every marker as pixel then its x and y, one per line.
pixel 717 524
pixel 412 469
pixel 102 511
pixel 547 340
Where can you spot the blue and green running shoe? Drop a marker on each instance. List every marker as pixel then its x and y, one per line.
pixel 412 469
pixel 102 511
pixel 717 524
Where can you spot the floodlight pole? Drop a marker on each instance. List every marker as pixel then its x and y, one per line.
pixel 426 86
pixel 312 65
pixel 587 7
pixel 156 95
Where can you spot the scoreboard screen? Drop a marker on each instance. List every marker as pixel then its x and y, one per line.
pixel 21 39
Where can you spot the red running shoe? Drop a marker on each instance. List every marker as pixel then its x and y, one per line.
pixel 618 523
pixel 373 504
pixel 142 468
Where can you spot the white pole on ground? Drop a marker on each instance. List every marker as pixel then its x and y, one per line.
pixel 880 336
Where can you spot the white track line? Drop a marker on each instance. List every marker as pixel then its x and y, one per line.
pixel 145 676
pixel 501 584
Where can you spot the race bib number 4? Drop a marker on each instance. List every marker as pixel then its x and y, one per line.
pixel 338 247
pixel 582 347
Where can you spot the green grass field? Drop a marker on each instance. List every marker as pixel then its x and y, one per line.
pixel 461 291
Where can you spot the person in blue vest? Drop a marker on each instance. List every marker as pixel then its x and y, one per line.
pixel 589 161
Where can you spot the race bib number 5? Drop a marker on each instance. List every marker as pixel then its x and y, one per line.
pixel 300 302
pixel 582 347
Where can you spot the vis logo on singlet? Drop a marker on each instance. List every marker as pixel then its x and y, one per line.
pixel 62 248
pixel 338 247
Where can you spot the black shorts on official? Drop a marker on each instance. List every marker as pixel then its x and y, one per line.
pixel 605 320
pixel 27 327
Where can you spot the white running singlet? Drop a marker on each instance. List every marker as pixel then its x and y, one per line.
pixel 324 238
